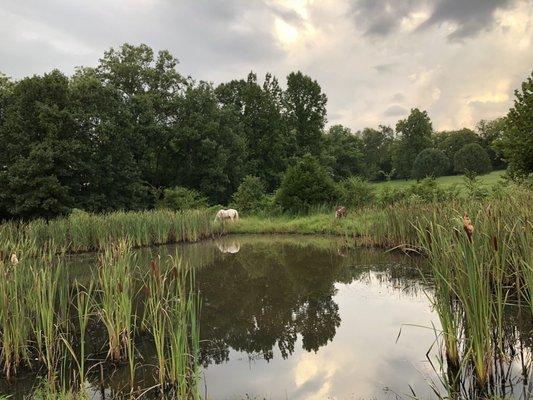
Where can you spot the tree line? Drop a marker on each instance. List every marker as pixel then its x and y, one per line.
pixel 121 134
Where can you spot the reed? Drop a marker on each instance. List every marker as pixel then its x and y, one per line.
pixel 116 290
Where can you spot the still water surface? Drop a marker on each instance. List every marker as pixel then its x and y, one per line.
pixel 296 317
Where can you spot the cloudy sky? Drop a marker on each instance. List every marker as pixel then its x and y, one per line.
pixel 375 59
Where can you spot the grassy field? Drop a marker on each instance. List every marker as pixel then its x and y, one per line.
pixel 446 181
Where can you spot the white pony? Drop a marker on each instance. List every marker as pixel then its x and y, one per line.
pixel 230 214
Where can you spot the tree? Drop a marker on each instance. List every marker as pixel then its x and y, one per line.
pixel 305 111
pixel 490 133
pixel 306 184
pixel 472 158
pixel 151 89
pixel 430 163
pixel 262 125
pixel 377 145
pixel 112 178
pixel 415 133
pixel 517 140
pixel 343 152
pixel 206 151
pixel 450 142
pixel 41 163
pixel 249 195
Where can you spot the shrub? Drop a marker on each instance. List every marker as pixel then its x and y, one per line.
pixel 181 198
pixel 304 185
pixel 356 192
pixel 430 162
pixel 391 195
pixel 472 158
pixel 249 196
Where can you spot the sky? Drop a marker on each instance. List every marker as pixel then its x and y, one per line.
pixel 460 60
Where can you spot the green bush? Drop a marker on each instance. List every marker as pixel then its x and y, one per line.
pixel 356 192
pixel 430 162
pixel 304 185
pixel 249 197
pixel 472 158
pixel 181 198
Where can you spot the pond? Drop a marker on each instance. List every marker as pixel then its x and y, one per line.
pixel 295 317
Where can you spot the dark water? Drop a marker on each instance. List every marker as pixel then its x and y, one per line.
pixel 297 317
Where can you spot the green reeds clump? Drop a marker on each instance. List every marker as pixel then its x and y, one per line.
pixel 45 298
pixel 116 268
pixel 15 315
pixel 171 316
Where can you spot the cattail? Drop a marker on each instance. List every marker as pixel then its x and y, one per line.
pixel 468 227
pixel 153 266
pixel 495 243
pixel 14 259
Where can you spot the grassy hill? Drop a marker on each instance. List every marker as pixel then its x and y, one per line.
pixel 446 181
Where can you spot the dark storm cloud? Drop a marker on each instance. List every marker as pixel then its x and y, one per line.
pixel 470 16
pixel 380 17
pixel 202 34
pixel 383 17
pixel 395 111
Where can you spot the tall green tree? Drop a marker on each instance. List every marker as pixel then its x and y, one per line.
pixel 415 135
pixel 343 152
pixel 41 158
pixel 450 142
pixel 305 111
pixel 377 145
pixel 207 152
pixel 112 178
pixel 261 124
pixel 490 133
pixel 517 141
pixel 151 88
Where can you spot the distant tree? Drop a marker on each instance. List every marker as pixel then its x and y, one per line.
pixel 450 142
pixel 181 198
pixel 491 133
pixel 40 162
pixel 112 177
pixel 472 158
pixel 207 152
pixel 343 151
pixel 377 152
pixel 306 184
pixel 151 89
pixel 415 135
pixel 261 124
pixel 305 112
pixel 430 163
pixel 517 140
pixel 249 195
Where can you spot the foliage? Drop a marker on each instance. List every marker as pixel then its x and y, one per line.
pixel 472 158
pixel 304 185
pixel 491 133
pixel 377 147
pixel 517 140
pixel 182 198
pixel 343 152
pixel 356 192
pixel 430 162
pixel 450 142
pixel 415 133
pixel 250 195
pixel 305 110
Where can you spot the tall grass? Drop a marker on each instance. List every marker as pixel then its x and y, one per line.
pixel 82 231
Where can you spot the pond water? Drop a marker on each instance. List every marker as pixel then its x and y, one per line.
pixel 297 317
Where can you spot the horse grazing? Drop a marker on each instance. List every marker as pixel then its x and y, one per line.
pixel 230 214
pixel 341 212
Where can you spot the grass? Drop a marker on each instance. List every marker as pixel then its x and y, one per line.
pixel 444 181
